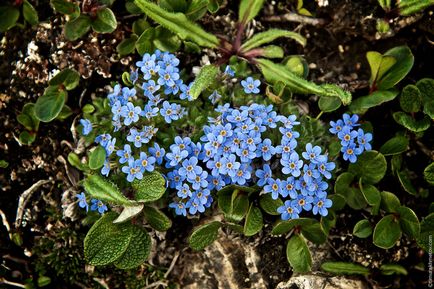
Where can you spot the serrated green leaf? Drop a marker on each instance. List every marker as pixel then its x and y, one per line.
pixel 137 251
pixel 344 268
pixel 196 9
pixel 409 222
pixel 353 196
pixel 364 103
pixel 404 63
pixel 394 146
pixel 410 123
pixel 204 235
pixel 178 24
pixel 410 99
pixel 127 46
pixel 106 242
pixel 271 51
pixel 426 88
pixel 248 9
pixel 8 17
pixel 150 188
pixel 409 7
pixel 204 79
pixel 283 227
pixel 426 232
pixel 129 212
pixel 270 35
pixel 362 229
pixel 49 105
pixel 298 254
pixel 389 202
pixel 390 269
pixel 329 104
pixel 97 158
pixel 77 27
pixel 428 173
pixel 102 189
pixel 30 14
pixel 105 21
pixel 269 205
pixel 254 222
pixel 428 109
pixel 157 219
pixel 371 166
pixel 387 232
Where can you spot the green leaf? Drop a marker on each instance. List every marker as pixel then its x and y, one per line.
pixel 409 222
pixel 409 7
pixel 77 27
pixel 97 158
pixel 65 7
pixel 329 104
pixel 410 99
pixel 88 108
pixel 254 222
pixel 248 9
pixel 390 269
pixel 426 89
pixel 139 26
pixel 28 118
pixel 404 63
pixel 394 146
pixel 165 40
pixel 279 73
pixel 3 164
pixel 389 202
pixel 8 17
pixel 106 242
pixel 298 254
pixel 387 232
pixel 105 21
pixel 157 219
pixel 338 202
pixel 204 235
pixel 64 113
pixel 127 45
pixel 410 123
pixel 129 212
pixel 362 104
pixel 49 105
pixel 69 78
pixel 428 173
pixel 214 5
pixel 271 51
pixel 30 14
pixel 204 79
pixel 283 227
pixel 297 65
pixel 426 232
pixel 371 166
pixel 137 251
pixel 362 229
pixel 371 193
pixel 379 64
pixel 150 188
pixel 239 208
pixel 26 138
pixel 385 4
pixel 270 35
pixel 353 197
pixel 314 233
pixel 101 189
pixel 179 24
pixel 428 109
pixel 74 160
pixel 196 9
pixel 405 182
pixel 269 205
pixel 145 44
pixel 344 268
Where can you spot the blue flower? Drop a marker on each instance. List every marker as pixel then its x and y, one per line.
pixel 243 175
pixel 110 146
pixel 288 122
pixel 149 88
pixel 274 187
pixel 229 71
pixel 320 205
pixel 103 139
pixel 350 121
pixel 130 113
pixel 135 137
pixel 195 206
pixel 201 196
pixel 134 76
pixel 215 182
pixel 292 165
pixel 147 60
pixel 363 139
pixel 105 170
pixel 336 127
pixel 347 136
pixel 313 154
pixel 176 156
pixel 351 152
pixel 237 116
pixel 184 191
pixel 169 112
pixel 214 165
pixel 325 168
pixel 266 150
pixel 146 163
pixel 250 85
pixel 154 100
pixel 288 188
pixel 168 76
pixel 214 97
pixel 82 203
pixel 99 206
pixel 263 175
pixel 133 170
pixel 87 126
pixel 185 92
pixel 303 202
pixel 288 211
pixel 149 111
pixel 199 181
pixel 179 208
pixel 309 173
pixel 229 165
pixel 157 152
pixel 190 168
pixel 175 180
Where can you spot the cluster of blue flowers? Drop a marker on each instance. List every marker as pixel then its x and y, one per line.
pixel 96 205
pixel 353 141
pixel 233 146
